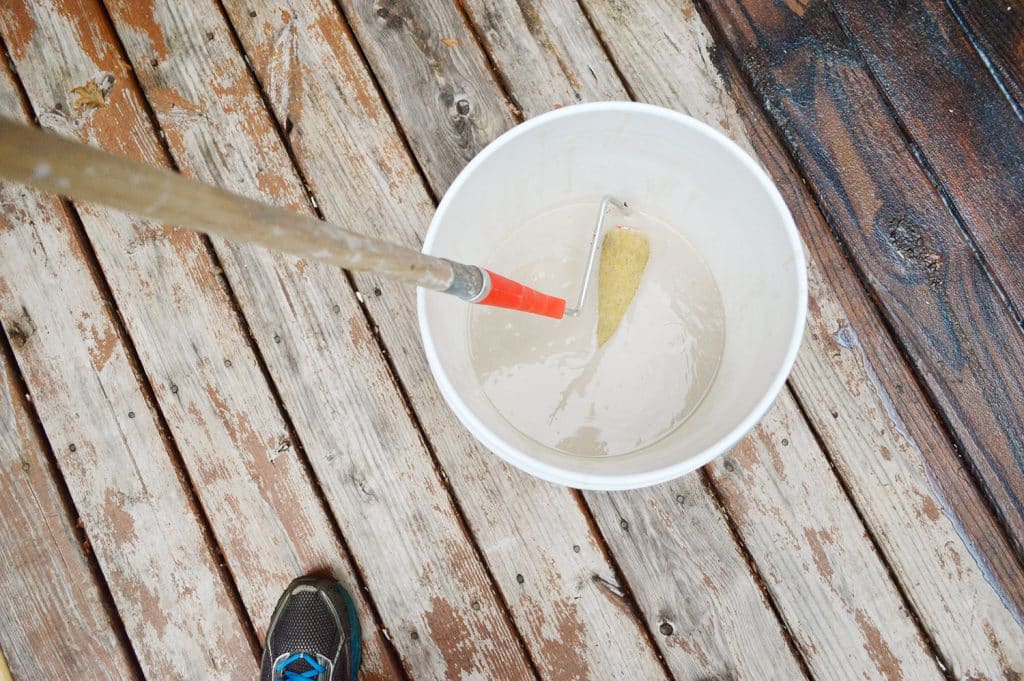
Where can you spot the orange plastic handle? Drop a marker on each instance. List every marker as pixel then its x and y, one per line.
pixel 515 296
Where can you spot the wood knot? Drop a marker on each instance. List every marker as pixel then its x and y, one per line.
pixel 361 485
pixel 904 234
pixel 390 16
pixel 21 329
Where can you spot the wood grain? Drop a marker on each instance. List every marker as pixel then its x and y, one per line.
pixel 429 585
pixel 969 135
pixel 546 54
pixel 807 555
pixel 119 470
pixel 55 624
pixel 899 476
pixel 425 51
pixel 904 242
pixel 319 90
pixel 997 31
pixel 261 502
pixel 846 400
pixel 706 612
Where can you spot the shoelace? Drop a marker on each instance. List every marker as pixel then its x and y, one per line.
pixel 315 669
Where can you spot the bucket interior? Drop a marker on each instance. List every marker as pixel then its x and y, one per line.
pixel 674 169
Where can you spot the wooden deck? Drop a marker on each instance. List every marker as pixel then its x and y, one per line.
pixel 187 424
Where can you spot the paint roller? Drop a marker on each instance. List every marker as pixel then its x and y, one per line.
pixel 51 163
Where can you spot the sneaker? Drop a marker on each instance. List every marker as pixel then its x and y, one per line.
pixel 314 634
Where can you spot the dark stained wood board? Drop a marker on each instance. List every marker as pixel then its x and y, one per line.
pixel 890 373
pixel 996 27
pixel 906 245
pixel 965 131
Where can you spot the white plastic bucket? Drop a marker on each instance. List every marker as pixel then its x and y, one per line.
pixel 672 167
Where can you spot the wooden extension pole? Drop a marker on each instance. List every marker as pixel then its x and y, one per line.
pixel 51 163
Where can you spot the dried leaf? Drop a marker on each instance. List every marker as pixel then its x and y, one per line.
pixel 89 96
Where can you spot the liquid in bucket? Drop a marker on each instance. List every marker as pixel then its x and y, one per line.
pixel 550 380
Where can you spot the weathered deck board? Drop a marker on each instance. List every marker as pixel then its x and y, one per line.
pixel 848 622
pixel 320 92
pixel 417 114
pixel 118 467
pixel 260 500
pixel 849 403
pixel 954 112
pixel 425 49
pixel 693 584
pixel 427 581
pixel 830 375
pixel 906 245
pixel 546 53
pixel 997 28
pixel 55 625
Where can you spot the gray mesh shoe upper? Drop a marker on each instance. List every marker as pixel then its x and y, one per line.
pixel 312 635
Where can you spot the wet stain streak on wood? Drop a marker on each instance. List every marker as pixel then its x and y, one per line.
pixel 904 241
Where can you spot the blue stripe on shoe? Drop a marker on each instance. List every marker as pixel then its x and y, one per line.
pixel 315 668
